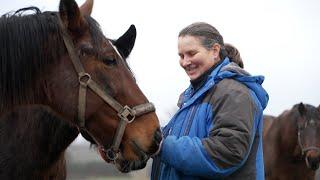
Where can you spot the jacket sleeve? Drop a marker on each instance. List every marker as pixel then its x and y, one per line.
pixel 229 140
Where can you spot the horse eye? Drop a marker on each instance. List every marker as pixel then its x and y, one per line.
pixel 109 62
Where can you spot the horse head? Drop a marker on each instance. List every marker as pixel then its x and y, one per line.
pixel 92 86
pixel 309 134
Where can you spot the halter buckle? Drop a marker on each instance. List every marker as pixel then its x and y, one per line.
pixel 127 114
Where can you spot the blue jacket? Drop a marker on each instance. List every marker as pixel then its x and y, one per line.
pixel 217 132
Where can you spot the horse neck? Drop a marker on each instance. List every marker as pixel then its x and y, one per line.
pixel 64 134
pixel 27 95
pixel 59 134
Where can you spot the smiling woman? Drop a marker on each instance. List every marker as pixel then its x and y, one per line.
pixel 68 78
pixel 217 131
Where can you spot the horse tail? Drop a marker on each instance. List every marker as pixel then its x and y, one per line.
pixel 233 54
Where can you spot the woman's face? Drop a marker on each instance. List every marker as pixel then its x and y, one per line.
pixel 195 59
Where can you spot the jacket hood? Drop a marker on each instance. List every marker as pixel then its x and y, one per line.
pixel 233 71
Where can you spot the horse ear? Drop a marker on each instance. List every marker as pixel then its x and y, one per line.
pixel 126 42
pixel 70 14
pixel 86 8
pixel 302 109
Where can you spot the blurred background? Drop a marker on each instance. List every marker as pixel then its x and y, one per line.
pixel 83 163
pixel 277 39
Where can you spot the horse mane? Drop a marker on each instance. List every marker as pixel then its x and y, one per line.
pixel 29 45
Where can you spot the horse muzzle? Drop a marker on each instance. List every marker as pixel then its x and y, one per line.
pixel 312 159
pixel 153 149
pixel 124 165
pixel 127 166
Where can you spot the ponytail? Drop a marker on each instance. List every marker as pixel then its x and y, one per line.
pixel 233 54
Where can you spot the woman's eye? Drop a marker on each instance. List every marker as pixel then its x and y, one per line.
pixel 192 54
pixel 109 61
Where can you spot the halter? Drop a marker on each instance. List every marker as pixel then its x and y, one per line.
pixel 304 150
pixel 125 113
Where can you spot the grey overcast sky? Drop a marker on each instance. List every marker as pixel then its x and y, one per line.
pixel 276 38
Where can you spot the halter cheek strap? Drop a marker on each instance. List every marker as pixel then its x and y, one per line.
pixel 125 113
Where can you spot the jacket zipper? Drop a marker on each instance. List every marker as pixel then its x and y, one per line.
pixel 190 120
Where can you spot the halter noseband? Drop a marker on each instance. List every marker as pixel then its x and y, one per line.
pixel 125 113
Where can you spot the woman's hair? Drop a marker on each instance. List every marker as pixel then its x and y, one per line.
pixel 233 54
pixel 209 35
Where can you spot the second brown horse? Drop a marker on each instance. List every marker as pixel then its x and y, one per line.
pixel 292 143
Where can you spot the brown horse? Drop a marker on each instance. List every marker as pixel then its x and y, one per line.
pixel 60 76
pixel 291 143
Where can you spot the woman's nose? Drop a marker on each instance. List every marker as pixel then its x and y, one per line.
pixel 185 62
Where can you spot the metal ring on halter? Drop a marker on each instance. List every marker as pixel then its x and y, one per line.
pixel 84 78
pixel 127 114
pixel 111 154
